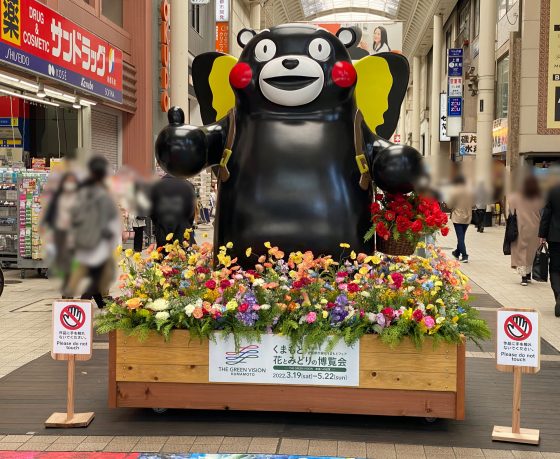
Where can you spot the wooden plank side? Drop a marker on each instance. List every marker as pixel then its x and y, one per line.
pixel 112 386
pixel 409 362
pixel 408 380
pixel 287 398
pixel 178 338
pixel 163 373
pixel 162 355
pixel 372 344
pixel 460 399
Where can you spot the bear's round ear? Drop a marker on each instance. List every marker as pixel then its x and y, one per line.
pixel 244 36
pixel 348 36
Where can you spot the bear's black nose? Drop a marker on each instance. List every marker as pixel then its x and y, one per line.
pixel 290 64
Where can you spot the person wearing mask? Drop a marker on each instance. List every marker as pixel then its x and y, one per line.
pixel 380 41
pixel 527 204
pixel 173 203
pixel 461 203
pixel 58 219
pixel 97 226
pixel 549 232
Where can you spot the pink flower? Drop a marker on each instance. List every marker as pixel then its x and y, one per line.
pixel 311 317
pixel 429 322
pixel 417 315
pixel 398 279
pixel 210 284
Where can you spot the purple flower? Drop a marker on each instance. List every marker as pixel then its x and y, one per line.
pixel 381 320
pixel 341 300
pixel 338 314
pixel 247 318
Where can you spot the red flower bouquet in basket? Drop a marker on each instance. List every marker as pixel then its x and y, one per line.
pixel 400 220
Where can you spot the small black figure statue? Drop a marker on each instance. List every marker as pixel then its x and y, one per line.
pixel 295 140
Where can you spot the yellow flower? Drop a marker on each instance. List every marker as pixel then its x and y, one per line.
pixel 267 245
pixel 128 253
pixel 375 260
pixel 118 250
pixel 344 245
pixel 325 314
pixel 455 319
pixel 353 255
pixel 133 303
pixel 229 245
pixel 363 270
pixel 169 237
pixel 231 305
pixel 137 257
pixel 188 273
pixel 248 252
pixel 154 255
pixel 407 314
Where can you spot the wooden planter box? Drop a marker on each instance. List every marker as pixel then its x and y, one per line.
pixel 397 382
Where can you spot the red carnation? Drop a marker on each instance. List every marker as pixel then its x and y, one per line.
pixel 430 220
pixel 297 284
pixel 378 196
pixel 243 307
pixel 390 215
pixel 382 230
pixel 417 226
pixel 224 284
pixel 375 208
pixel 445 231
pixel 403 224
pixel 211 284
pixel 417 315
pixel 398 279
pixel 353 287
pixel 341 274
pixel 388 312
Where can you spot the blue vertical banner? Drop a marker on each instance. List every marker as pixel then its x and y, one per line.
pixel 454 71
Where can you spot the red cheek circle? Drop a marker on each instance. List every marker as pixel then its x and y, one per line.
pixel 240 75
pixel 343 74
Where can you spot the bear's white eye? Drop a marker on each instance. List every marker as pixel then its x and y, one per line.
pixel 320 49
pixel 265 50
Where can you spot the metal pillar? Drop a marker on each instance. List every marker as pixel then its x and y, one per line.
pixel 255 16
pixel 179 60
pixel 434 104
pixel 416 103
pixel 486 78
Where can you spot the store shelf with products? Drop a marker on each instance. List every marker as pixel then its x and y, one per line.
pixel 9 228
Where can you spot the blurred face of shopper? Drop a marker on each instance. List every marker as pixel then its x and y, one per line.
pixel 377 36
pixel 70 184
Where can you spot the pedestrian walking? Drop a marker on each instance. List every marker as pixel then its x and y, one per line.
pixel 549 232
pixel 527 204
pixel 97 226
pixel 461 203
pixel 481 201
pixel 173 203
pixel 58 219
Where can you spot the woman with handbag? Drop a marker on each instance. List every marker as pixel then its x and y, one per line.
pixel 549 232
pixel 526 205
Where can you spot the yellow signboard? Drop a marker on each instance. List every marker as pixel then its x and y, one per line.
pixel 10 14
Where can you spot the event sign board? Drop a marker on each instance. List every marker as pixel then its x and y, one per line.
pixel 72 328
pixel 38 39
pixel 269 361
pixel 393 30
pixel 518 339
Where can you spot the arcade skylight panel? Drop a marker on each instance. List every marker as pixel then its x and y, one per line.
pixel 318 7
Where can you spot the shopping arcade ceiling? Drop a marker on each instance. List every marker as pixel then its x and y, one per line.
pixel 417 15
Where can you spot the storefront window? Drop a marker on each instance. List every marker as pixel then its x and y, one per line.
pixel 195 18
pixel 113 10
pixel 504 6
pixel 502 88
pixel 464 22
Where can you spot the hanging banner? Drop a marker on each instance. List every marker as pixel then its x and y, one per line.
pixel 269 361
pixel 38 39
pixel 222 37
pixel 443 137
pixel 467 143
pixel 222 10
pixel 499 135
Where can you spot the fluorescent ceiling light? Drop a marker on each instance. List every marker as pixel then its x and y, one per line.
pixel 52 92
pixel 8 77
pixel 68 97
pixel 87 103
pixel 23 96
pixel 77 104
pixel 27 84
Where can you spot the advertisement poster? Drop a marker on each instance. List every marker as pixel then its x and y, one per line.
pixel 377 37
pixel 499 135
pixel 36 38
pixel 549 78
pixel 271 362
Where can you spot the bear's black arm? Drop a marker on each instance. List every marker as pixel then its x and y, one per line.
pixel 183 150
pixel 394 168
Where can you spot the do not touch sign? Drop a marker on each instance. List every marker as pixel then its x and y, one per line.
pixel 72 328
pixel 518 338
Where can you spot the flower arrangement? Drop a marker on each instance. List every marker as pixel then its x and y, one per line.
pixel 312 300
pixel 406 216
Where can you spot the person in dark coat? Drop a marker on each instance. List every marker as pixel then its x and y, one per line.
pixel 549 232
pixel 173 206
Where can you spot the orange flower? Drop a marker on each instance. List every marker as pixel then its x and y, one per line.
pixel 271 285
pixel 197 313
pixel 133 303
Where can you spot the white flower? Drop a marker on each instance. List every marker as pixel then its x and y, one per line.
pixel 189 309
pixel 258 282
pixel 162 315
pixel 161 304
pixel 371 316
pixel 365 294
pixel 265 306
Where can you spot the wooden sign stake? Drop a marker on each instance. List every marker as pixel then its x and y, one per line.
pixel 515 433
pixel 70 419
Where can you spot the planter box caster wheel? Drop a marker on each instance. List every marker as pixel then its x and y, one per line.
pixel 159 410
pixel 430 420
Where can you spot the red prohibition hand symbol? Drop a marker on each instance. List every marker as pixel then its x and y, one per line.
pixel 518 327
pixel 72 317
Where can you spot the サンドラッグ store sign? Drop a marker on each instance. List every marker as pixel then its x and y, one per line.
pixel 38 39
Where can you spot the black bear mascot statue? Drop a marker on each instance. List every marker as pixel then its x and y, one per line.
pixel 298 132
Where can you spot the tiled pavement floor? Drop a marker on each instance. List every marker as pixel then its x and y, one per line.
pixel 25 336
pixel 256 445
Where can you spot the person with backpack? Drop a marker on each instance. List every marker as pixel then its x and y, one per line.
pixel 97 232
pixel 549 233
